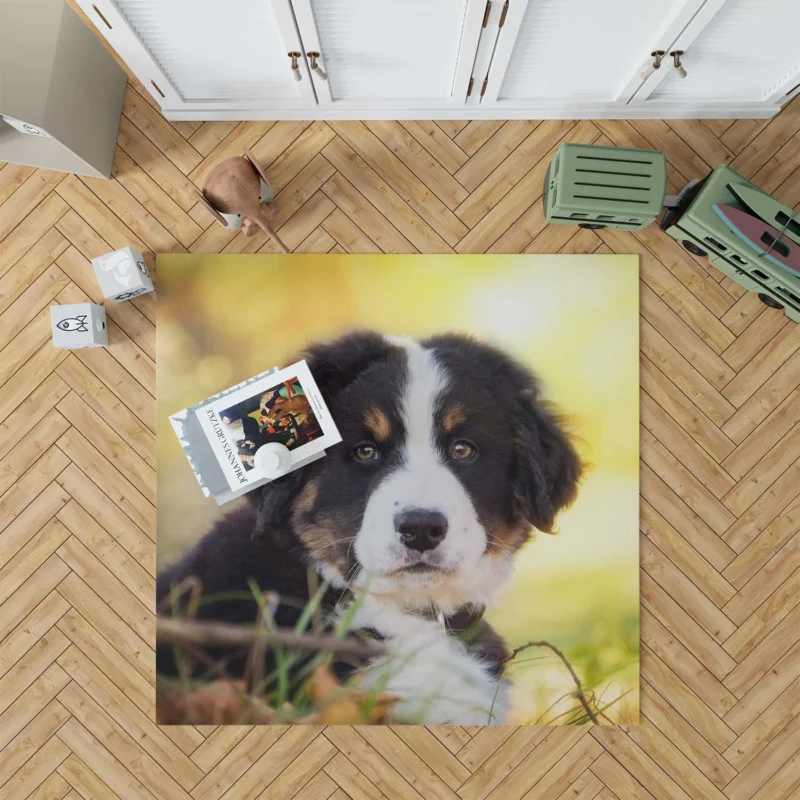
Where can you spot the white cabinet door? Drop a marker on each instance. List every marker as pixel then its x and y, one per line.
pixel 735 51
pixel 557 54
pixel 208 54
pixel 381 54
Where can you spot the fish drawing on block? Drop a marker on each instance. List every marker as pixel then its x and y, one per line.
pixel 763 238
pixel 77 324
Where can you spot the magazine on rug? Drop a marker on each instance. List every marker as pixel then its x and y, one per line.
pixel 277 407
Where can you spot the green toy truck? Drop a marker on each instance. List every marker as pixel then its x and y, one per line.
pixel 702 232
pixel 597 187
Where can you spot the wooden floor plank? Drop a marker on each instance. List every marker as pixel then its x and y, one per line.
pixel 152 197
pixel 39 294
pixel 110 444
pixel 704 142
pixel 702 574
pixel 494 152
pixel 90 605
pixel 144 153
pixel 676 583
pixel 84 782
pixel 12 176
pixel 498 182
pixel 106 770
pixel 31 230
pixel 376 227
pixel 26 198
pixel 502 763
pixel 500 201
pixel 761 588
pixel 691 707
pixel 642 766
pixel 243 136
pixel 475 134
pixel 762 696
pixel 159 131
pixel 437 143
pixel 398 182
pixel 209 135
pixel 680 732
pixel 30 267
pixel 419 161
pixel 94 212
pixel 298 154
pixel 31 629
pixel 37 769
pixel 125 713
pixel 693 457
pixel 120 744
pixel 682 410
pixel 92 391
pixel 223 769
pixel 102 545
pixel 34 461
pixel 692 635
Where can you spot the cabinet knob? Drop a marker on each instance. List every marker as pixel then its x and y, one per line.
pixel 315 68
pixel 651 68
pixel 676 60
pixel 296 74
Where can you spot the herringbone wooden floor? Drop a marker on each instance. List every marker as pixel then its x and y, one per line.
pixel 720 485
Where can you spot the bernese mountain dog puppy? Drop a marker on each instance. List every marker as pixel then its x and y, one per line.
pixel 449 460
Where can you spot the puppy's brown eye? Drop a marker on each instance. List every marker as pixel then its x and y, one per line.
pixel 462 450
pixel 365 452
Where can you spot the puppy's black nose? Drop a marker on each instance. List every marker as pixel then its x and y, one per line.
pixel 421 529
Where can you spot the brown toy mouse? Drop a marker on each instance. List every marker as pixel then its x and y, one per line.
pixel 233 190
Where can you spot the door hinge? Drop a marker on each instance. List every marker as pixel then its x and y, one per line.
pixel 483 88
pixel 469 87
pixel 503 15
pixel 486 13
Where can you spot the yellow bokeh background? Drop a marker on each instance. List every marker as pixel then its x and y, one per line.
pixel 572 320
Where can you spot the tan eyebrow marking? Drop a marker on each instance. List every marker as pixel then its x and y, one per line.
pixel 453 417
pixel 306 499
pixel 378 423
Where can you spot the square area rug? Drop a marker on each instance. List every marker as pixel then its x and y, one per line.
pixel 466 554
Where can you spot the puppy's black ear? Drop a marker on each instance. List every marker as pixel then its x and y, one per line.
pixel 548 466
pixel 334 365
pixel 338 363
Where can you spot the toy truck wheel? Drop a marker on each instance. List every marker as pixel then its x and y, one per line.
pixel 769 301
pixel 592 226
pixel 693 248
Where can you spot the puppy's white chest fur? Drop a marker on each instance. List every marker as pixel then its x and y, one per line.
pixel 437 680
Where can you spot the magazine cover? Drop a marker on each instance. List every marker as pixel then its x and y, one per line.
pixel 222 435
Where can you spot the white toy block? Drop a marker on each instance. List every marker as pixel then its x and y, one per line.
pixel 78 325
pixel 122 274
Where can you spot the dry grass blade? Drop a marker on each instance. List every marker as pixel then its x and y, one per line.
pixel 218 634
pixel 578 686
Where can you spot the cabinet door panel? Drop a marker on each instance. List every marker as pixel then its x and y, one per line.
pixel 384 52
pixel 577 51
pixel 747 52
pixel 231 55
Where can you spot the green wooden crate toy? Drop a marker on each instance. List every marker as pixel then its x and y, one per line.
pixel 745 233
pixel 599 187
